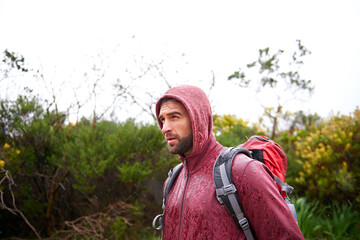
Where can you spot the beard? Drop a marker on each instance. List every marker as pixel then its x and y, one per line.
pixel 183 146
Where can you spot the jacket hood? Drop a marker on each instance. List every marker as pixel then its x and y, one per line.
pixel 198 106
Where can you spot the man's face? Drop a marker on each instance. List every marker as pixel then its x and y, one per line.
pixel 176 127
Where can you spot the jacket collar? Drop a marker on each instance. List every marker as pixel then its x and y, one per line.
pixel 211 149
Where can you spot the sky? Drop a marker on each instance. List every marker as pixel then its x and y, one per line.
pixel 146 44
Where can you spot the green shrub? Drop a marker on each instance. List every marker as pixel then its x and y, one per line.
pixel 232 131
pixel 118 228
pixel 342 222
pixel 309 216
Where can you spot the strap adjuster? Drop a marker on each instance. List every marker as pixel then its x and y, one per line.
pixel 224 191
pixel 229 189
pixel 244 223
pixel 287 188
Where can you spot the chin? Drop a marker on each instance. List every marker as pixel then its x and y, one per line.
pixel 172 150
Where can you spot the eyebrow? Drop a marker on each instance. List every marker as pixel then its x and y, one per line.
pixel 170 113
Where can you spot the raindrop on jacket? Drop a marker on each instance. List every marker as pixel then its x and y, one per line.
pixel 192 210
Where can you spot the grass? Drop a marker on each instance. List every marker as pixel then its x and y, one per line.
pixel 327 222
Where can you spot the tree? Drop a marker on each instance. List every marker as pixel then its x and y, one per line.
pixel 10 61
pixel 275 80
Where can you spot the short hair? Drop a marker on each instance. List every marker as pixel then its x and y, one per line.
pixel 165 99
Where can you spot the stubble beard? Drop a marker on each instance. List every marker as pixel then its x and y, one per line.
pixel 184 145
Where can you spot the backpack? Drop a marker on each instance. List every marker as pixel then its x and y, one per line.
pixel 260 148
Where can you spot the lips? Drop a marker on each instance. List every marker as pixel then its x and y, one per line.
pixel 170 139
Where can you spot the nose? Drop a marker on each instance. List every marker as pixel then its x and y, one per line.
pixel 166 127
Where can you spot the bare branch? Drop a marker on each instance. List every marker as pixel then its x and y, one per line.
pixel 95 225
pixel 161 74
pixel 147 109
pixel 14 210
pixel 212 83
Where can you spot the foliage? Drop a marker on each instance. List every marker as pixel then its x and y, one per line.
pixel 118 228
pixel 309 216
pixel 298 123
pixel 330 160
pixel 333 221
pixel 10 61
pixel 233 131
pixel 281 82
pixel 112 223
pixel 66 171
pixel 271 75
pixel 69 174
pixel 14 60
pixel 342 223
pixel 322 217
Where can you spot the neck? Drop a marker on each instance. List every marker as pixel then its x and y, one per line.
pixel 196 161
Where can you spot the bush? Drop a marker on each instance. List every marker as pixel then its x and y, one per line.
pixel 64 172
pixel 329 156
pixel 231 131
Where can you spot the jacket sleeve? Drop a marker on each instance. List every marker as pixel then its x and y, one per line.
pixel 264 207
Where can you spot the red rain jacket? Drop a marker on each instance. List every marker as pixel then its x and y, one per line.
pixel 192 210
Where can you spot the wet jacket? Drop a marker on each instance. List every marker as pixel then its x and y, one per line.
pixel 192 210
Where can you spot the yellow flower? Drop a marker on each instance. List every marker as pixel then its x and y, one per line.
pixel 18 152
pixel 6 146
pixel 2 163
pixel 347 146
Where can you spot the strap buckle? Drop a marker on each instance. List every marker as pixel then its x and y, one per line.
pixel 287 188
pixel 229 189
pixel 158 218
pixel 224 191
pixel 244 223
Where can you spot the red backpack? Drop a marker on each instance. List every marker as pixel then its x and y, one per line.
pixel 264 150
pixel 271 154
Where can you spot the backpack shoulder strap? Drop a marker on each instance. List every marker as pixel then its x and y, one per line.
pixel 172 176
pixel 226 190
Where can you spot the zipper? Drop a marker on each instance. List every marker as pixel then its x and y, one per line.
pixel 264 139
pixel 185 170
pixel 182 204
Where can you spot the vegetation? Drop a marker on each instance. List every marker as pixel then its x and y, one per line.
pixel 98 179
pixel 332 221
pixel 276 76
pixel 327 178
pixel 64 176
pixel 329 156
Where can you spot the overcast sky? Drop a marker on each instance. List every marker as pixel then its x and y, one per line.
pixel 191 41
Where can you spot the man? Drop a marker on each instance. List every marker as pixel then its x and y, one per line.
pixel 192 210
